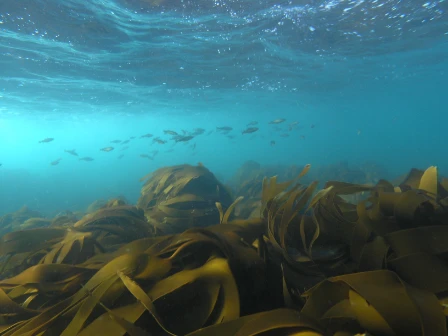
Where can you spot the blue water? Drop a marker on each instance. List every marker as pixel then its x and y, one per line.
pixel 366 80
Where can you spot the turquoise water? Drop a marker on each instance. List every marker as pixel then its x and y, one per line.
pixel 366 80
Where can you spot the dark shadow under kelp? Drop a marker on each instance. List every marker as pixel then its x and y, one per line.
pixel 297 261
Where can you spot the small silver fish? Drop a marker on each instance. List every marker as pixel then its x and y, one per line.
pixel 250 130
pixel 159 141
pixel 46 140
pixel 183 138
pixel 277 121
pixel 224 128
pixel 198 131
pixel 107 149
pixel 55 162
pixel 71 152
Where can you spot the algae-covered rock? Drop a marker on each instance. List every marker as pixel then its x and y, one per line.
pixel 180 197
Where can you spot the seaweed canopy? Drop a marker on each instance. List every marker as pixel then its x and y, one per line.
pixel 250 205
pixel 312 264
pixel 115 225
pixel 177 198
pixel 12 221
pixel 389 242
pixel 148 284
pixel 248 182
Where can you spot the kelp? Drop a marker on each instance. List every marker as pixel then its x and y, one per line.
pixel 390 238
pixel 34 223
pixel 170 281
pixel 65 219
pixel 12 221
pixel 377 301
pixel 280 322
pixel 115 225
pixel 177 198
pixel 249 207
pixel 23 249
pixel 312 262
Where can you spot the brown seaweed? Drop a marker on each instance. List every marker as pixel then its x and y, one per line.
pixel 312 262
pixel 177 198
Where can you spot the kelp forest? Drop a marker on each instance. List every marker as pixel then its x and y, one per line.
pixel 269 257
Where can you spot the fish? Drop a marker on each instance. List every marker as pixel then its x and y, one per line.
pixel 170 132
pixel 198 131
pixel 121 156
pixel 146 156
pixel 132 138
pixel 125 142
pixel 55 162
pixel 183 138
pixel 148 135
pixel 124 148
pixel 277 121
pixel 272 142
pixel 250 130
pixel 209 132
pixel 159 141
pixel 107 149
pixel 252 123
pixel 302 137
pixel 86 158
pixel 224 128
pixel 284 135
pixel 116 141
pixel 1 164
pixel 46 140
pixel 292 125
pixel 71 152
pixel 358 132
pixel 194 146
pixel 312 126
